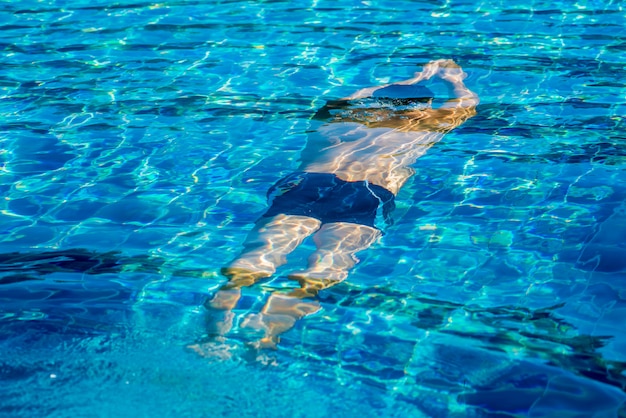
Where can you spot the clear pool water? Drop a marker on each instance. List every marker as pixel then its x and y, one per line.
pixel 139 139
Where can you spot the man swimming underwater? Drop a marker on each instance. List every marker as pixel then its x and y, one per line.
pixel 352 169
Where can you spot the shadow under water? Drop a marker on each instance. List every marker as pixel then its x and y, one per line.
pixel 21 267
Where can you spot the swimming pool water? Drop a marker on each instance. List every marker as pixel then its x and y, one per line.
pixel 138 142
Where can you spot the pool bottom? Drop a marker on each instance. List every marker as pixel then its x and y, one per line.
pixel 85 364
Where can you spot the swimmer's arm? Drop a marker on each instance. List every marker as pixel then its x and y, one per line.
pixel 462 97
pixel 456 110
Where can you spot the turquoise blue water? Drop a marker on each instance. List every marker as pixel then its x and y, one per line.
pixel 138 142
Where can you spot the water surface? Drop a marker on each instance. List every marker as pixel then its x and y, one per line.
pixel 138 142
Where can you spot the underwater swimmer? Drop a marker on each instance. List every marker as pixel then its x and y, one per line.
pixel 351 172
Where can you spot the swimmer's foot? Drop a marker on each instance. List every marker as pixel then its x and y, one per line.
pixel 280 315
pixel 218 349
pixel 269 324
pixel 228 350
pixel 265 343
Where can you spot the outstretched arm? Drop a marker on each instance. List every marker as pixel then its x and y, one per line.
pixel 457 109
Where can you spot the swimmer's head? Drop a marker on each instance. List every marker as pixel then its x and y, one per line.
pixel 403 94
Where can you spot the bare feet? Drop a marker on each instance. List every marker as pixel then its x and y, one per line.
pixel 220 306
pixel 280 315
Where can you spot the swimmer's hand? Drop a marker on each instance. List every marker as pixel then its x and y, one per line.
pixel 450 71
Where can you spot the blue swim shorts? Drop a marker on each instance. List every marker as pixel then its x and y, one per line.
pixel 326 197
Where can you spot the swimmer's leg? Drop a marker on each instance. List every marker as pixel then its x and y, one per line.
pixel 265 249
pixel 337 243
